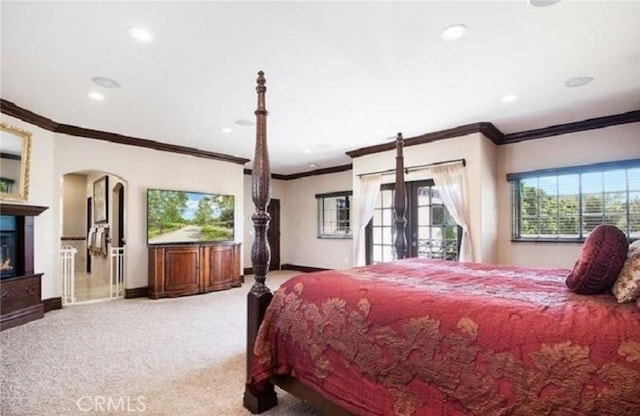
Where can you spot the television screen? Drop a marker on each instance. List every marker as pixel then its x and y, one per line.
pixel 188 217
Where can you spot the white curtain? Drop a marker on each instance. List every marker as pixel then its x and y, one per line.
pixel 451 181
pixel 369 189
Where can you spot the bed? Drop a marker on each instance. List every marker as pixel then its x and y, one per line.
pixel 433 337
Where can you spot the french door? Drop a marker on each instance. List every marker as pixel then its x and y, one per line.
pixel 431 231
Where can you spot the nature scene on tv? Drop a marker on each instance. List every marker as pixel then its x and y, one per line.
pixel 184 217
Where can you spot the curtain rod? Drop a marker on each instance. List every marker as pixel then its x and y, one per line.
pixel 414 168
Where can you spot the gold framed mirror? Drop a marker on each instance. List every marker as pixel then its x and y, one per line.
pixel 15 155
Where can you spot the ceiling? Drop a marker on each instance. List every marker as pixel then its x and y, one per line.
pixel 340 75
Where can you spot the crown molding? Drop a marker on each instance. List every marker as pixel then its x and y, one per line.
pixel 583 125
pixel 273 176
pixel 11 109
pixel 496 136
pixel 487 129
pixel 150 144
pixel 323 171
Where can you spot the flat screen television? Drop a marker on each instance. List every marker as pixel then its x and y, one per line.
pixel 179 217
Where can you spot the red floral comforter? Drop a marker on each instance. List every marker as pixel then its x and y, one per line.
pixel 432 337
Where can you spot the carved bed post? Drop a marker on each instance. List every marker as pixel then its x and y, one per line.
pixel 258 398
pixel 400 202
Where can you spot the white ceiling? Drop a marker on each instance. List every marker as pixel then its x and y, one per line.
pixel 340 75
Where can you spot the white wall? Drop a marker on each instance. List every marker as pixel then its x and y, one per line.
pixel 143 168
pixel 41 192
pixel 54 155
pixel 489 202
pixel 300 218
pixel 299 242
pixel 478 152
pixel 593 146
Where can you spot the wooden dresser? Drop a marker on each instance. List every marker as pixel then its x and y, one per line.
pixel 179 270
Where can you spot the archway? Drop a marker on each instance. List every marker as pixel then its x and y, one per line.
pixel 93 236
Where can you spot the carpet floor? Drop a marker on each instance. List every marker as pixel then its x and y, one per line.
pixel 181 356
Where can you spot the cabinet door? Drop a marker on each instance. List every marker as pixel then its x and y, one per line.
pixel 221 267
pixel 181 270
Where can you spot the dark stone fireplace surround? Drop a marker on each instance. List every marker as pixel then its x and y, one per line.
pixel 20 295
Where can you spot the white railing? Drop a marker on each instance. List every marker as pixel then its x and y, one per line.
pixel 117 272
pixel 67 269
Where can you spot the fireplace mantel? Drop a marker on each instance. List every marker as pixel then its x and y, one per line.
pixel 21 209
pixel 20 296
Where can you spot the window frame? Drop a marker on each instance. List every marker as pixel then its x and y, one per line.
pixel 515 180
pixel 337 235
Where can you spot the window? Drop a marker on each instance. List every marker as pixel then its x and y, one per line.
pixel 334 215
pixel 431 231
pixel 566 204
pixel 381 230
pixel 6 185
pixel 436 233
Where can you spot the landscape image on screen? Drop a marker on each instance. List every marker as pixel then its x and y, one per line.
pixel 188 217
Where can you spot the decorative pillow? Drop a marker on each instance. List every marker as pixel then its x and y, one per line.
pixel 627 286
pixel 634 248
pixel 601 258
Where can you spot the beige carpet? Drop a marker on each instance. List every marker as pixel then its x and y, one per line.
pixel 182 356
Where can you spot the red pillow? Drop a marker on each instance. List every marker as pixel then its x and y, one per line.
pixel 601 258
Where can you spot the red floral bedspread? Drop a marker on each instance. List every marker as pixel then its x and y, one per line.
pixel 431 337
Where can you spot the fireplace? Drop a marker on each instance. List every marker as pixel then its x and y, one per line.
pixel 20 297
pixel 8 246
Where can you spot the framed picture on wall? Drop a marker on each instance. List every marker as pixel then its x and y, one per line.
pixel 101 200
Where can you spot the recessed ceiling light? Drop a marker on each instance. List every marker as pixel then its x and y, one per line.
pixel 509 98
pixel 95 95
pixel 313 165
pixel 543 3
pixel 140 34
pixel 306 151
pixel 577 81
pixel 227 130
pixel 454 32
pixel 105 82
pixel 245 123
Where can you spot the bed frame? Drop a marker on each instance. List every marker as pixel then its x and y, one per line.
pixel 259 398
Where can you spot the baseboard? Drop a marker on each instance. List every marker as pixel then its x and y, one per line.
pixel 248 270
pixel 51 304
pixel 136 292
pixel 305 269
pixel 21 316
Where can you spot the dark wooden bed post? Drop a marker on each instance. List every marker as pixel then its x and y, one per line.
pixel 400 202
pixel 258 398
